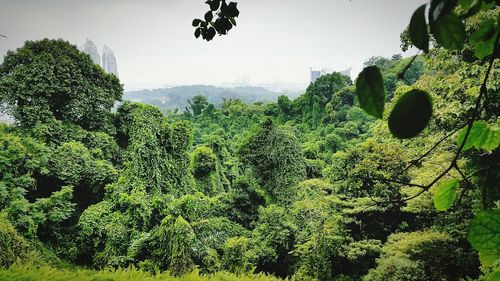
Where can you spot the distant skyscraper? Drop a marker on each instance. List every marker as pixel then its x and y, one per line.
pixel 346 72
pixel 315 74
pixel 109 61
pixel 90 48
pixel 318 72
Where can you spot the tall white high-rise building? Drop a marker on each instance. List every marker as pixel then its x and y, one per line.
pixel 109 61
pixel 90 48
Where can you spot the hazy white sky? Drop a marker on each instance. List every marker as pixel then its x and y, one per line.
pixel 275 39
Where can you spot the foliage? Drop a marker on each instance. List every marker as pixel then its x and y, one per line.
pixel 245 200
pixel 312 188
pixel 234 259
pixel 202 161
pixel 172 245
pixel 445 194
pixel 35 272
pixel 423 255
pixel 197 105
pixel 12 245
pixel 273 239
pixel 276 158
pixel 415 108
pixel 63 84
pixel 226 18
pixel 370 90
pixel 484 235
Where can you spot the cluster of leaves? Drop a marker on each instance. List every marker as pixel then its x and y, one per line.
pixel 413 110
pixel 218 20
pixel 64 86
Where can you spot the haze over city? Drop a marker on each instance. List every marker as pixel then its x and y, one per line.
pixel 274 41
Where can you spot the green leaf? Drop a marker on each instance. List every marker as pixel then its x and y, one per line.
pixel 370 90
pixel 481 136
pixel 449 31
pixel 439 8
pixel 470 7
pixel 488 258
pixel 214 4
pixel 196 22
pixel 484 231
pixel 418 30
pixel 445 194
pixel 209 16
pixel 466 4
pixel 483 39
pixel 197 32
pixel 494 276
pixel 411 114
pixel 210 34
pixel 232 10
pixel 483 49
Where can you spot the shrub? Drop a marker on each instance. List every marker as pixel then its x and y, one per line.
pixel 12 245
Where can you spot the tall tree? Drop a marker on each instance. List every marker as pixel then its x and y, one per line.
pixel 275 155
pixel 52 79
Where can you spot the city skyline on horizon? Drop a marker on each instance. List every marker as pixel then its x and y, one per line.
pixel 154 44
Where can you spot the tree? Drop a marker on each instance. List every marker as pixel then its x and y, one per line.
pixel 273 239
pixel 423 255
pixel 276 158
pixel 52 79
pixel 203 161
pixel 285 108
pixel 234 258
pixel 245 202
pixel 311 105
pixel 204 164
pixel 196 105
pixel 12 245
pixel 172 245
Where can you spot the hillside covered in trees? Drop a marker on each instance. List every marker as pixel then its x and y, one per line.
pixel 318 187
pixel 176 99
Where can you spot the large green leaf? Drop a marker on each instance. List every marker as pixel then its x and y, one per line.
pixel 197 32
pixel 484 231
pixel 483 39
pixel 418 29
pixel 481 136
pixel 196 22
pixel 439 8
pixel 488 258
pixel 209 16
pixel 449 31
pixel 214 4
pixel 445 194
pixel 411 114
pixel 371 91
pixel 494 276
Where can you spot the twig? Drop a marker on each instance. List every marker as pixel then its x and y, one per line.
pixel 466 188
pixel 416 161
pixel 394 181
pixel 402 73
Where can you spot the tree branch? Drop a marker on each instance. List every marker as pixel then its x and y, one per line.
pixel 402 73
pixel 483 92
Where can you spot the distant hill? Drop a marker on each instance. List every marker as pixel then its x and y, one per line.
pixel 177 97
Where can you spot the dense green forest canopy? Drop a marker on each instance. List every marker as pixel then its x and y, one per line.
pixel 176 99
pixel 318 187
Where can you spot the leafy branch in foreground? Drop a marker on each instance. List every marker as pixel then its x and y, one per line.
pixel 412 112
pixel 218 20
